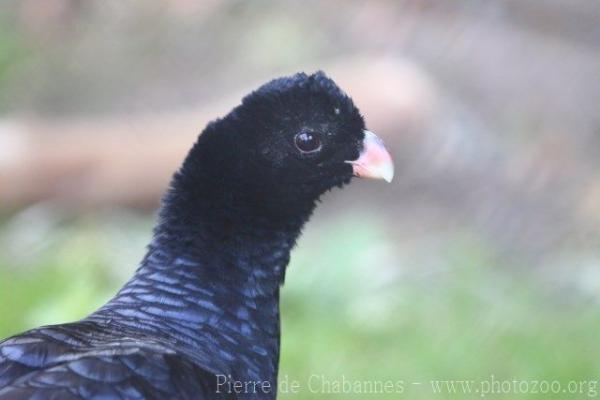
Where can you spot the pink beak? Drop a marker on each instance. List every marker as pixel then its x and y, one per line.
pixel 374 161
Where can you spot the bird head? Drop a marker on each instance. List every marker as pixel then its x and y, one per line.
pixel 288 142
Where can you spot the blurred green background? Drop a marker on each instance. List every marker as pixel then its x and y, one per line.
pixel 479 263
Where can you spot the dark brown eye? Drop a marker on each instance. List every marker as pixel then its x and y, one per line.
pixel 307 142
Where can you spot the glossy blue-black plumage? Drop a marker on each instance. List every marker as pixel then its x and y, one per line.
pixel 203 307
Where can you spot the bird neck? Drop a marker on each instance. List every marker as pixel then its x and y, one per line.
pixel 210 280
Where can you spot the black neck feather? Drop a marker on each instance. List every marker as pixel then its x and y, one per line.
pixel 211 277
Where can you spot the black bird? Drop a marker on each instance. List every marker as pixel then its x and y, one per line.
pixel 200 317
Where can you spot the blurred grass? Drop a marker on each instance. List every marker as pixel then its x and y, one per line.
pixel 356 303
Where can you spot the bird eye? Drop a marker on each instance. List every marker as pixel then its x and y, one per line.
pixel 307 142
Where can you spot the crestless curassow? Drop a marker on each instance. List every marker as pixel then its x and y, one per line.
pixel 201 314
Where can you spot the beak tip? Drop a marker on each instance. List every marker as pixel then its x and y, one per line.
pixel 389 177
pixel 386 172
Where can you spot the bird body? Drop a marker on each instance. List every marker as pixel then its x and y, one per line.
pixel 201 313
